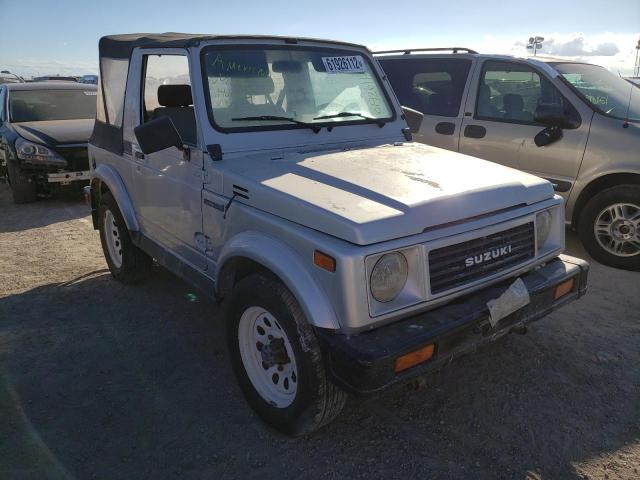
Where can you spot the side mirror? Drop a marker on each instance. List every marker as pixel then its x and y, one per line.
pixel 158 134
pixel 553 116
pixel 548 136
pixel 413 118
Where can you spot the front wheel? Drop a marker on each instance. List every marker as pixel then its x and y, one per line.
pixel 277 359
pixel 609 227
pixel 127 262
pixel 23 189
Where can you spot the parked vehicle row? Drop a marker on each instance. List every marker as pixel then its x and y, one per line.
pixel 8 77
pixel 573 123
pixel 278 176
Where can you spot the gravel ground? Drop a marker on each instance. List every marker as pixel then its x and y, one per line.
pixel 98 380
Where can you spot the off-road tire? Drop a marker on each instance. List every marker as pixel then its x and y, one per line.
pixel 317 400
pixel 22 189
pixel 136 264
pixel 588 216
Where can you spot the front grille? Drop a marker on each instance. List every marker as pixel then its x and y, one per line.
pixel 462 263
pixel 77 157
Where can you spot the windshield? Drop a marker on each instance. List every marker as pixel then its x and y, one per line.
pixel 43 105
pixel 275 87
pixel 608 93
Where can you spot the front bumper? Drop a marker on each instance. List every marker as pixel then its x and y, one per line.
pixel 64 178
pixel 364 363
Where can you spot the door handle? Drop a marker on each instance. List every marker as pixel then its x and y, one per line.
pixel 475 131
pixel 445 128
pixel 136 152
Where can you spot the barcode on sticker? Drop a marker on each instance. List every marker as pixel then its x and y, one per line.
pixel 348 64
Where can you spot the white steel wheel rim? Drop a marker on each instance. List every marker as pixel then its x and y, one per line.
pixel 112 238
pixel 268 357
pixel 617 229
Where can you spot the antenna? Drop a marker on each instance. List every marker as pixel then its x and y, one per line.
pixel 636 68
pixel 626 117
pixel 636 73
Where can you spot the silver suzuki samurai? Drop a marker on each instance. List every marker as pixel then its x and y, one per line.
pixel 277 175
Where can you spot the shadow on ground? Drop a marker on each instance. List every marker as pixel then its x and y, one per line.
pixel 42 212
pixel 99 380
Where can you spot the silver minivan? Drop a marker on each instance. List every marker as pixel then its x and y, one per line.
pixel 575 124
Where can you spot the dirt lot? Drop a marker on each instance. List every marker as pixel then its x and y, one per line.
pixel 103 381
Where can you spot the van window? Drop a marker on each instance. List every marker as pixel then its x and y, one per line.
pixel 606 92
pixel 114 83
pixel 167 93
pixel 433 86
pixel 2 103
pixel 512 92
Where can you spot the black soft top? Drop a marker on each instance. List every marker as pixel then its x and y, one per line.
pixel 121 46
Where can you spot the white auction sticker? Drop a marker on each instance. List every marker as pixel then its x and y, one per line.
pixel 90 93
pixel 350 64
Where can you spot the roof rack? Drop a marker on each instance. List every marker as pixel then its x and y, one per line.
pixel 407 51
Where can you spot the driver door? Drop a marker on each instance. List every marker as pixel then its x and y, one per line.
pixel 499 124
pixel 168 183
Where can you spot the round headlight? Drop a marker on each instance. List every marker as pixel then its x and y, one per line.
pixel 28 149
pixel 388 276
pixel 543 227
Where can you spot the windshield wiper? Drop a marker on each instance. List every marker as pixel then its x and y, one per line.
pixel 377 121
pixel 315 128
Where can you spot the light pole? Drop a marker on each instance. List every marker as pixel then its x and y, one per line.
pixel 636 68
pixel 535 43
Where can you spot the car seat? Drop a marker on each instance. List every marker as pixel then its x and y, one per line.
pixel 177 104
pixel 243 89
pixel 514 108
pixel 485 107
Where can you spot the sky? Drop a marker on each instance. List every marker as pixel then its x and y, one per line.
pixel 44 37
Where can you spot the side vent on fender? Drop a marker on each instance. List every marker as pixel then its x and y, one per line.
pixel 240 191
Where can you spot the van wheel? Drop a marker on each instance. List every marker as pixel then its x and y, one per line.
pixel 128 264
pixel 609 227
pixel 22 189
pixel 276 358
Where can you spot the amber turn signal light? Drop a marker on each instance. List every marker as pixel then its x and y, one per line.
pixel 414 358
pixel 564 288
pixel 323 260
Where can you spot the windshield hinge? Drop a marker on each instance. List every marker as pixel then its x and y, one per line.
pixel 215 151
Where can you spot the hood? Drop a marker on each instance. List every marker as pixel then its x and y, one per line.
pixel 381 193
pixel 56 132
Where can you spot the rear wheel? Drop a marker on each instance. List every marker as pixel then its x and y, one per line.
pixel 127 262
pixel 609 227
pixel 22 188
pixel 277 359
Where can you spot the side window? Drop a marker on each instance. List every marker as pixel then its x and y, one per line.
pixel 114 73
pixel 433 86
pixel 511 92
pixel 167 93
